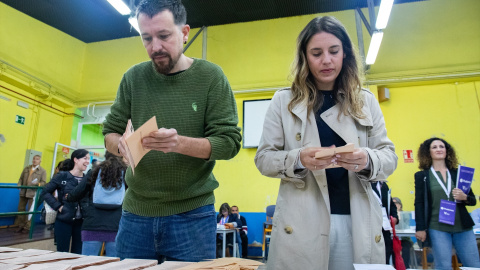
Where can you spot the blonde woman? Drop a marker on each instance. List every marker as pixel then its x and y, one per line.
pixel 325 218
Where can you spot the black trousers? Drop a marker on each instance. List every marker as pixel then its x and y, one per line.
pixel 387 237
pixel 244 238
pixel 66 231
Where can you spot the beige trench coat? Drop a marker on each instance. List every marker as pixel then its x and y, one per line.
pixel 301 224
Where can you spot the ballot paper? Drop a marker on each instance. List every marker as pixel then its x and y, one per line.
pixel 133 141
pixel 326 152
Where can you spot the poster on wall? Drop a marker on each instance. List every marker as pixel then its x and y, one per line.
pixel 408 156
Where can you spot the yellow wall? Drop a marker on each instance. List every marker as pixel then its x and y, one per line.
pixel 42 129
pixel 414 114
pixel 51 56
pixel 422 39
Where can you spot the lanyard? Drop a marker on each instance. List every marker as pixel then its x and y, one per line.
pixel 224 220
pixel 449 181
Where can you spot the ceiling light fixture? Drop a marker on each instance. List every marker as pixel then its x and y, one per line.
pixel 120 6
pixel 374 47
pixel 133 21
pixel 383 14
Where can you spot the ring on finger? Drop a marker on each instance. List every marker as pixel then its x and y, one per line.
pixel 356 167
pixel 315 167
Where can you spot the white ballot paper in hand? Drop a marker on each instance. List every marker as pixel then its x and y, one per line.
pixel 133 141
pixel 348 148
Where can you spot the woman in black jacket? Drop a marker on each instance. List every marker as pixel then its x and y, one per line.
pixel 440 207
pixel 101 221
pixel 69 217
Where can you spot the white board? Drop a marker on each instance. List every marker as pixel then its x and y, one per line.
pixel 254 112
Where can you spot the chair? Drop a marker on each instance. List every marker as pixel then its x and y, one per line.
pixel 267 228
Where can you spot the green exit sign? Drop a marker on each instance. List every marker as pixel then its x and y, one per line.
pixel 19 119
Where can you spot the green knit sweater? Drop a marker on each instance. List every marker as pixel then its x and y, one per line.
pixel 197 103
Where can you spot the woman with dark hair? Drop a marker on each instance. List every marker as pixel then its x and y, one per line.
pixel 100 223
pixel 225 216
pixel 326 215
pixel 435 190
pixel 69 217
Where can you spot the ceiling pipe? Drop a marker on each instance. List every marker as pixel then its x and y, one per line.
pixel 46 105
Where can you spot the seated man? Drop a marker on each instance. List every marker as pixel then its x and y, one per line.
pixel 243 232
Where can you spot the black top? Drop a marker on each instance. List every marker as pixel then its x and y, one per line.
pixel 423 202
pixel 337 178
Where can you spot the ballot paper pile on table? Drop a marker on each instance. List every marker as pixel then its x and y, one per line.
pixel 224 264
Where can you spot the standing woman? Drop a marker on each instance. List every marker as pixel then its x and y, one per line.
pixel 434 186
pixel 69 217
pixel 325 218
pixel 101 221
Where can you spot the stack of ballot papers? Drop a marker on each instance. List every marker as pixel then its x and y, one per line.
pixel 224 264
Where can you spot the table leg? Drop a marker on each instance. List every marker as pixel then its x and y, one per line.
pixel 224 244
pixel 235 243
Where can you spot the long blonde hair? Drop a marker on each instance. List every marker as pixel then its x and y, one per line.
pixel 347 87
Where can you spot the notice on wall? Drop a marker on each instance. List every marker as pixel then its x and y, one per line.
pixel 408 156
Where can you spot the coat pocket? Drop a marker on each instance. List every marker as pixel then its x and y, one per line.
pixel 68 212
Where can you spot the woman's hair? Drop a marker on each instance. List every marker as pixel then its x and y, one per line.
pixel 397 200
pixel 425 159
pixel 65 165
pixel 111 174
pixel 226 207
pixel 69 164
pixel 349 80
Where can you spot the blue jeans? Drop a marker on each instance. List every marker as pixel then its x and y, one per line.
pixel 465 245
pixel 94 247
pixel 188 236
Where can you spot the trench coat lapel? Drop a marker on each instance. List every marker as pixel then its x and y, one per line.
pixel 309 140
pixel 344 126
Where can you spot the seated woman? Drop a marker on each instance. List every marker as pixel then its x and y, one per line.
pixel 225 216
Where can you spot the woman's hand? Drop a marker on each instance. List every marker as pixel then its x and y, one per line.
pixel 355 161
pixel 307 157
pixel 459 195
pixel 60 209
pixel 421 236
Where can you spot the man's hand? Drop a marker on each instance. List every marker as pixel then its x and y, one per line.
pixel 355 161
pixel 164 140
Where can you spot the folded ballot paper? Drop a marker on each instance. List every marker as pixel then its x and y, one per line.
pixel 326 152
pixel 133 141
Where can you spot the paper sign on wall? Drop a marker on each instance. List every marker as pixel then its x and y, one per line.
pixel 408 156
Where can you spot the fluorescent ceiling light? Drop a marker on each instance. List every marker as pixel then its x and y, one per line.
pixel 374 47
pixel 383 14
pixel 133 21
pixel 120 6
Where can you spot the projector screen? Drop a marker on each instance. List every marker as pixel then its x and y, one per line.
pixel 253 116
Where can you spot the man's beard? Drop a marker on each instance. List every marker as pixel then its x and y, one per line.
pixel 171 63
